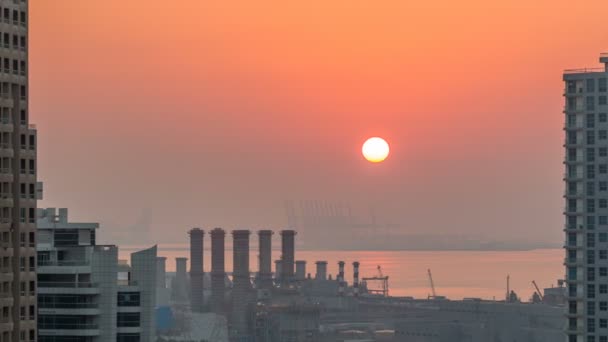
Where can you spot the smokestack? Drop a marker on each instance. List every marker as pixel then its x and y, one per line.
pixel 340 278
pixel 300 270
pixel 265 267
pixel 161 271
pixel 356 278
pixel 288 256
pixel 218 272
pixel 240 279
pixel 179 290
pixel 321 270
pixel 278 267
pixel 196 269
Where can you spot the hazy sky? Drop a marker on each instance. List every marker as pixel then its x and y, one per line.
pixel 208 113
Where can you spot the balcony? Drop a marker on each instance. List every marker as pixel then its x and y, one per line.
pixel 574 176
pixel 583 70
pixel 67 287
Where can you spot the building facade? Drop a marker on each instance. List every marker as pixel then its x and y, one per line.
pixel 586 207
pixel 18 190
pixel 85 293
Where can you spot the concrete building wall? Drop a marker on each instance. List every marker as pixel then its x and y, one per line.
pixel 586 212
pixel 143 271
pixel 104 273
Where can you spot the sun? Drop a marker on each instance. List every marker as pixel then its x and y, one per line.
pixel 375 149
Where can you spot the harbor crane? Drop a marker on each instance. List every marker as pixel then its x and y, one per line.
pixel 432 284
pixel 540 294
pixel 383 290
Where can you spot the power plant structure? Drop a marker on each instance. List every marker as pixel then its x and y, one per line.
pixel 196 269
pixel 287 256
pixel 218 272
pixel 290 305
pixel 241 282
pixel 265 259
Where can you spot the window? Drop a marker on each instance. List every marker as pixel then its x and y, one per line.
pixel 128 299
pixel 602 117
pixel 603 203
pixel 602 85
pixel 603 220
pixel 590 138
pixel 603 254
pixel 590 291
pixel 602 134
pixel 603 186
pixel 603 306
pixel 591 120
pixel 591 261
pixel 590 205
pixel 590 154
pixel 603 324
pixel 590 85
pixel 603 168
pixel 601 100
pixel 603 271
pixel 591 171
pixel 603 151
pixel 603 237
pixel 603 289
pixel 590 274
pixel 128 319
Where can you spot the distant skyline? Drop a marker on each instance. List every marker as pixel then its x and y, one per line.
pixel 212 113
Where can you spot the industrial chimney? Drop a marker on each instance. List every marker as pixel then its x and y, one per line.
pixel 218 271
pixel 355 278
pixel 265 261
pixel 321 270
pixel 196 269
pixel 240 279
pixel 340 278
pixel 300 270
pixel 288 256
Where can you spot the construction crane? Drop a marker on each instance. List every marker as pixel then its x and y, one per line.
pixel 383 290
pixel 537 290
pixel 432 284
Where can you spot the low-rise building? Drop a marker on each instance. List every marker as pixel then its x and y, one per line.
pixel 85 294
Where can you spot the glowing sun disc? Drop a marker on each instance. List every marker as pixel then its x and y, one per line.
pixel 375 149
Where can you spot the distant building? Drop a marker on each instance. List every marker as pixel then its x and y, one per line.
pixel 85 294
pixel 586 209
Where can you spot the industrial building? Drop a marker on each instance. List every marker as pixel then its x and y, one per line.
pixel 85 294
pixel 292 305
pixel 586 209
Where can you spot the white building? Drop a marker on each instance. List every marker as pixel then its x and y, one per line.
pixel 85 294
pixel 586 209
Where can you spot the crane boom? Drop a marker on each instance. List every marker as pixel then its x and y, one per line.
pixel 537 289
pixel 432 284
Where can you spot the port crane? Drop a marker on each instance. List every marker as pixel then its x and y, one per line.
pixel 540 294
pixel 383 290
pixel 432 284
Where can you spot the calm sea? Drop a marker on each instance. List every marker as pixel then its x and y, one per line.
pixel 457 274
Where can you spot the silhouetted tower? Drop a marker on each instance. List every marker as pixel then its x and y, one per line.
pixel 355 278
pixel 179 287
pixel 321 270
pixel 241 283
pixel 218 271
pixel 265 259
pixel 288 256
pixel 300 270
pixel 340 278
pixel 196 269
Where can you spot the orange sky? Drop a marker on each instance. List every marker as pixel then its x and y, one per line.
pixel 213 112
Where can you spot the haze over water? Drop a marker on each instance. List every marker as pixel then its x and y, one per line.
pixel 457 274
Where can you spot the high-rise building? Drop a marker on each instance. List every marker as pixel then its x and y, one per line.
pixel 18 188
pixel 586 207
pixel 85 294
